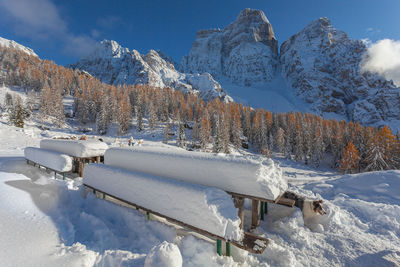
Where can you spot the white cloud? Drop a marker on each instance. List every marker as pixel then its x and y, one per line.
pixel 41 20
pixel 383 57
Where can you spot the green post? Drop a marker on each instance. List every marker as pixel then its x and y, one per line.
pixel 262 210
pixel 137 208
pixel 94 191
pixel 266 208
pixel 64 176
pixel 104 196
pixel 148 215
pixel 228 249
pixel 219 249
pixel 55 175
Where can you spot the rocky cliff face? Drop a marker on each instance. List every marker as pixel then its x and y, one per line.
pixel 323 65
pixel 245 52
pixel 114 64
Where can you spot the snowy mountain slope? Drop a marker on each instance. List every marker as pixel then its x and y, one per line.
pixel 245 52
pixel 114 64
pixel 53 224
pixel 323 65
pixel 12 44
pixel 275 96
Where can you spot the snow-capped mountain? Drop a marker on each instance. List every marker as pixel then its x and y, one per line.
pixel 323 65
pixel 245 52
pixel 114 64
pixel 12 44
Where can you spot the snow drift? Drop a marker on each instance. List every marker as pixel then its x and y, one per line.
pixel 76 148
pixel 229 173
pixel 164 255
pixel 209 209
pixel 53 160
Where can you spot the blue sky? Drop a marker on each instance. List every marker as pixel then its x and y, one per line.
pixel 65 30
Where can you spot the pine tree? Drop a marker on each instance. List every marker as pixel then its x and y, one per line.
pixel 152 116
pixel 19 112
pixel 205 130
pixel 350 159
pixel 376 159
pixel 280 139
pixel 102 118
pixel 217 145
pixel 167 130
pixel 181 140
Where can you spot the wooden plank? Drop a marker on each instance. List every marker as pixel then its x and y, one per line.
pixel 252 243
pixel 250 197
pixel 286 202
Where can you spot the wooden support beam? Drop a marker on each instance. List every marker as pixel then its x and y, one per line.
pixel 255 211
pixel 228 249
pixel 98 159
pixel 81 166
pixel 239 204
pixel 219 247
pixel 262 210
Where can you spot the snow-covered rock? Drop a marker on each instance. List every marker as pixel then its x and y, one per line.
pixel 76 148
pixel 12 44
pixel 230 173
pixel 164 255
pixel 203 207
pixel 323 65
pixel 53 160
pixel 114 64
pixel 245 52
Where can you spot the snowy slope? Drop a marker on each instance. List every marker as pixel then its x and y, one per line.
pixel 114 64
pixel 12 44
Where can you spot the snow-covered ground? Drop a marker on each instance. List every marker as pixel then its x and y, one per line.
pixel 47 222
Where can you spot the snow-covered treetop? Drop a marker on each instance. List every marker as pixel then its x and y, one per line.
pixel 13 44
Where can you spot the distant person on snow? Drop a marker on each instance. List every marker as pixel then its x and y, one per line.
pixel 130 141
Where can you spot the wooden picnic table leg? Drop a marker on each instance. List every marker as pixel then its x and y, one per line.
pixel 81 165
pixel 239 204
pixel 255 211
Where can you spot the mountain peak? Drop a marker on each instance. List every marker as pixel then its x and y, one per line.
pixel 252 14
pixel 108 49
pixel 12 44
pixel 245 52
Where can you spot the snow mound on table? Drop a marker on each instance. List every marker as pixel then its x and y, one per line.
pixel 76 148
pixel 164 255
pixel 209 209
pixel 227 172
pixel 53 160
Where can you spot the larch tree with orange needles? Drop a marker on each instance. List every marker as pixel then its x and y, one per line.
pixel 350 159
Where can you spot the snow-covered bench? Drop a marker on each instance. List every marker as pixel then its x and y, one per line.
pixel 206 208
pixel 230 173
pixel 82 151
pixel 55 161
